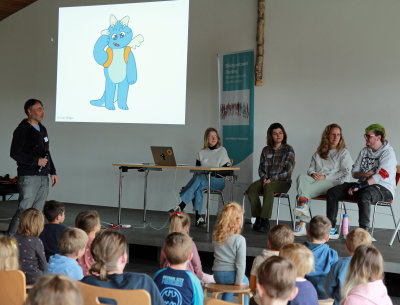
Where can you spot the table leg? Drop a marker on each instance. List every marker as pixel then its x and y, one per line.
pixel 146 173
pixel 119 195
pixel 208 202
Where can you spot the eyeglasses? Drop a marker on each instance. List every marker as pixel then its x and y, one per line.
pixel 277 133
pixel 367 136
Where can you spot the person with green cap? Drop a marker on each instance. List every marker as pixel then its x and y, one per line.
pixel 375 169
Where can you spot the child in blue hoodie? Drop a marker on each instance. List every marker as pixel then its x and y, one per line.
pixel 324 256
pixel 337 276
pixel 72 244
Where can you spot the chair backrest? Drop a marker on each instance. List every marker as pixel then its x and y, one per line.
pixel 13 287
pixel 217 302
pixel 91 295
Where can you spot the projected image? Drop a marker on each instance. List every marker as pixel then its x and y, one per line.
pixel 123 63
pixel 113 51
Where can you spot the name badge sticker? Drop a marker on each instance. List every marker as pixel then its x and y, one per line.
pixel 269 156
pixel 46 139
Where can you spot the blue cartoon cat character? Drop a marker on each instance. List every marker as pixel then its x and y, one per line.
pixel 113 51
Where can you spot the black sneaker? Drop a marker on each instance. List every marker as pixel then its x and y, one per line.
pixel 264 227
pixel 200 222
pixel 257 224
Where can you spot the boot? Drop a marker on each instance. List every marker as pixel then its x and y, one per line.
pixel 257 224
pixel 264 226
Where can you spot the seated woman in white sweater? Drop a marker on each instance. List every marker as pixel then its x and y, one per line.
pixel 212 155
pixel 330 165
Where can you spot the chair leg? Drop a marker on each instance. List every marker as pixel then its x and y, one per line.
pixel 291 215
pixel 243 202
pixel 309 208
pixel 373 219
pixel 396 231
pixel 277 210
pixel 222 197
pixel 394 220
pixel 241 298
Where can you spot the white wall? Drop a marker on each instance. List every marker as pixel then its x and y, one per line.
pixel 325 61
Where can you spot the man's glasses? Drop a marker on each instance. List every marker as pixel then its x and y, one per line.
pixel 367 136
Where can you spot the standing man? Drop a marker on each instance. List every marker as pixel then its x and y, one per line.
pixel 30 148
pixel 375 169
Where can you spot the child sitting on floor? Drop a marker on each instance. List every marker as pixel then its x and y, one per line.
pixel 276 281
pixel 55 290
pixel 32 260
pixel 324 256
pixel 88 221
pixel 303 259
pixel 180 222
pixel 176 284
pixel 54 211
pixel 364 285
pixel 109 253
pixel 230 249
pixel 8 253
pixel 72 245
pixel 278 236
pixel 337 275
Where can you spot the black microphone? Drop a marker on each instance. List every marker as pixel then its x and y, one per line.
pixel 46 156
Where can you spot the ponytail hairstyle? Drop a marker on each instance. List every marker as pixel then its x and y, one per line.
pixel 178 221
pixel 365 266
pixel 229 222
pixel 323 148
pixel 8 253
pixel 107 247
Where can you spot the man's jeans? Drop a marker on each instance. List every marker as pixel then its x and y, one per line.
pixel 33 192
pixel 365 197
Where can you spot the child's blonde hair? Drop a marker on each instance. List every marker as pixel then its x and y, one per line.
pixel 31 223
pixel 356 238
pixel 107 247
pixel 8 254
pixel 365 266
pixel 301 256
pixel 229 222
pixel 87 220
pixel 177 247
pixel 72 240
pixel 279 236
pixel 178 222
pixel 277 275
pixel 56 289
pixel 319 228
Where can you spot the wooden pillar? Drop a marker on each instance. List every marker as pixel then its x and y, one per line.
pixel 260 44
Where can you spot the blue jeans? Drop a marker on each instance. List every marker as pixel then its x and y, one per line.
pixel 193 191
pixel 33 192
pixel 228 277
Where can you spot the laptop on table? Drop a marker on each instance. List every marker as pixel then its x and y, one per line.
pixel 163 155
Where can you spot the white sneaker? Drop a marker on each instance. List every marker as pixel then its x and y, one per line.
pixel 334 234
pixel 302 211
pixel 300 229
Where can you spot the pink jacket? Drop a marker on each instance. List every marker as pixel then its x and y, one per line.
pixel 86 261
pixel 193 266
pixel 373 293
